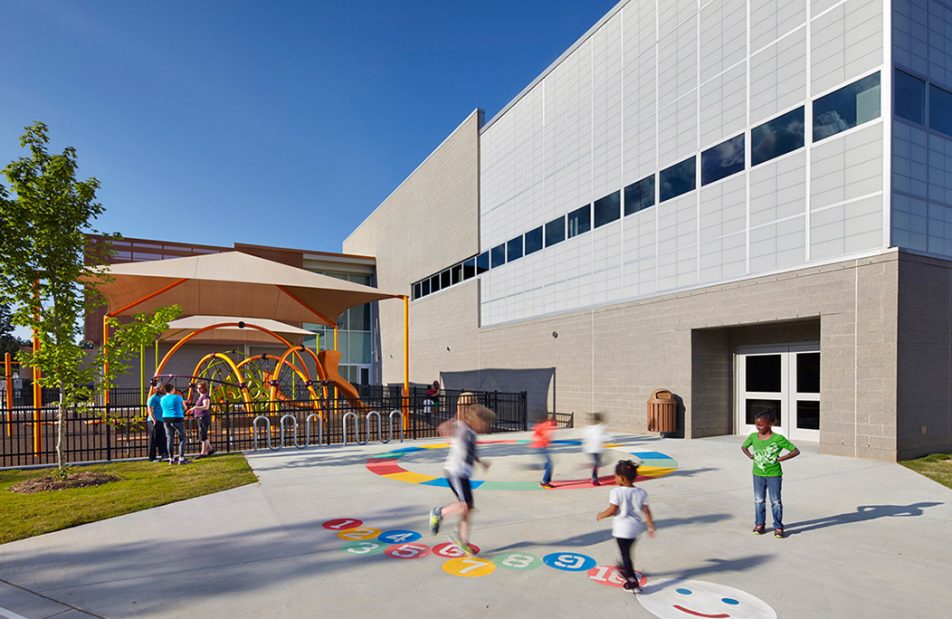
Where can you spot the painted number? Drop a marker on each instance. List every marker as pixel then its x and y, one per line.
pixel 407 551
pixel 449 550
pixel 399 537
pixel 363 548
pixel 569 561
pixel 355 534
pixel 341 524
pixel 518 561
pixel 469 567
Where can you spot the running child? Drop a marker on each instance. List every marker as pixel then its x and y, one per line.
pixel 768 474
pixel 541 439
pixel 628 509
pixel 592 441
pixel 470 417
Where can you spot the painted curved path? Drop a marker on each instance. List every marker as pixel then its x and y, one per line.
pixel 653 464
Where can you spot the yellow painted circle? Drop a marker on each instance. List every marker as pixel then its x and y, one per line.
pixel 356 534
pixel 469 567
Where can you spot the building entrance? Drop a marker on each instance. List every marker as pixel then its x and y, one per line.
pixel 783 379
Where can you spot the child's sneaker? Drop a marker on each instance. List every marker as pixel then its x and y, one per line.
pixel 778 533
pixel 759 529
pixel 632 585
pixel 435 520
pixel 595 482
pixel 463 545
pixel 546 485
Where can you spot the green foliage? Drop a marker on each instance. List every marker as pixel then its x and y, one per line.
pixel 9 343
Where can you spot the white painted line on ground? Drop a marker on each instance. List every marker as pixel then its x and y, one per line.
pixel 9 614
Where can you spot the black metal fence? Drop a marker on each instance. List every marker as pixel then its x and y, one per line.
pixel 119 430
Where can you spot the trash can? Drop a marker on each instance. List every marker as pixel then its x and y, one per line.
pixel 662 412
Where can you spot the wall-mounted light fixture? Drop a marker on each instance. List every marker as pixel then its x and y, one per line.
pixel 555 334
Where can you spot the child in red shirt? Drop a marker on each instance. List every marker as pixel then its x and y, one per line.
pixel 541 439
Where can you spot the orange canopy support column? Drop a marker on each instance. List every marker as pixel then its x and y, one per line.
pixel 37 401
pixel 8 377
pixel 406 362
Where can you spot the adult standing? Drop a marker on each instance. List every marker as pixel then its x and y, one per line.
pixel 432 402
pixel 173 414
pixel 157 443
pixel 202 411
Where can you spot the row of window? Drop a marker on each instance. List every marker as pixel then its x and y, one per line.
pixel 912 104
pixel 848 107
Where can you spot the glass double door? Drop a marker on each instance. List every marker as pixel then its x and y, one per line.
pixel 784 380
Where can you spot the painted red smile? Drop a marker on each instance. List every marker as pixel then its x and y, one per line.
pixel 697 614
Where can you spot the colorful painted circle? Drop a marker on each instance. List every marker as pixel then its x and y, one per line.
pixel 469 567
pixel 413 550
pixel 569 561
pixel 356 534
pixel 653 464
pixel 517 561
pixel 342 524
pixel 449 550
pixel 399 536
pixel 363 548
pixel 697 598
pixel 611 576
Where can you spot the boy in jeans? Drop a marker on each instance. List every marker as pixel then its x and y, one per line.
pixel 768 475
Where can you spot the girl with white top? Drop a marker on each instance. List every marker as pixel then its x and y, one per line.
pixel 628 509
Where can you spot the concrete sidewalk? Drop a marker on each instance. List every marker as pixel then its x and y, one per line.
pixel 867 539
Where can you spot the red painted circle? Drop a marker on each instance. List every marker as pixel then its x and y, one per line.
pixel 410 550
pixel 610 575
pixel 449 550
pixel 342 524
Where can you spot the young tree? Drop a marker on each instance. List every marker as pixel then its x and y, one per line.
pixel 43 257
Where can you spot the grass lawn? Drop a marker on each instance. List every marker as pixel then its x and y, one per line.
pixel 937 467
pixel 141 485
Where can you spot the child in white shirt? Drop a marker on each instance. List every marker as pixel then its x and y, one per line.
pixel 628 508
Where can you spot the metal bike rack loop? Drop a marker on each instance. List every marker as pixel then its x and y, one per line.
pixel 294 427
pixel 351 415
pixel 367 428
pixel 307 430
pixel 267 426
pixel 395 412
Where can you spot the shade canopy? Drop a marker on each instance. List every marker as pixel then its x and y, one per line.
pixel 232 334
pixel 233 284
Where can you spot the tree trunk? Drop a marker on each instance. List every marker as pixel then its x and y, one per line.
pixel 60 430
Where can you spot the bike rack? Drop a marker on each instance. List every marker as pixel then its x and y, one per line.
pixel 352 415
pixel 267 425
pixel 294 426
pixel 367 428
pixel 399 415
pixel 307 430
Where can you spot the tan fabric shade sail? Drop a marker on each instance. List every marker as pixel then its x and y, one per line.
pixel 233 283
pixel 233 334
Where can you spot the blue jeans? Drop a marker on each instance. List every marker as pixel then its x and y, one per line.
pixel 547 465
pixel 171 428
pixel 762 486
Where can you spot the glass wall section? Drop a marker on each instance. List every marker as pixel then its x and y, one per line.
pixel 640 195
pixel 424 288
pixel 498 255
pixel 514 249
pixel 417 291
pixel 910 100
pixel 469 269
pixel 446 279
pixel 846 108
pixel 940 109
pixel 457 271
pixel 777 137
pixel 482 263
pixel 555 231
pixel 722 160
pixel 435 283
pixel 354 340
pixel 533 240
pixel 580 220
pixel 678 179
pixel 608 209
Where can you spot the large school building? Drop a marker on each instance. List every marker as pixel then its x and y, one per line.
pixel 747 203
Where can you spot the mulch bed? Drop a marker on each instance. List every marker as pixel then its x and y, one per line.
pixel 73 480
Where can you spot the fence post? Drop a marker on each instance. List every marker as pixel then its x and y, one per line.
pixel 108 435
pixel 226 422
pixel 524 401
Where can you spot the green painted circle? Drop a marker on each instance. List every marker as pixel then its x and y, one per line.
pixel 364 548
pixel 517 561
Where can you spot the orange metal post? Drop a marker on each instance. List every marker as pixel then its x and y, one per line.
pixel 37 401
pixel 406 361
pixel 105 364
pixel 8 375
pixel 336 395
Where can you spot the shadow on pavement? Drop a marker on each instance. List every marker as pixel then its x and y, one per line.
pixel 863 512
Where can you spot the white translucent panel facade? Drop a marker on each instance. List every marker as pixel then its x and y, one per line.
pixel 656 83
pixel 921 154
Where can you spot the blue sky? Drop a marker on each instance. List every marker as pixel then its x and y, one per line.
pixel 275 123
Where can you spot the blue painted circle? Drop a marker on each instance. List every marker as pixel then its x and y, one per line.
pixel 399 536
pixel 684 591
pixel 730 601
pixel 569 561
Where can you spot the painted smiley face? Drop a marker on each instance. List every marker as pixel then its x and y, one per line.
pixel 695 598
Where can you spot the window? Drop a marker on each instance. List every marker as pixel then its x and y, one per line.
pixel 580 220
pixel 678 179
pixel 497 255
pixel 514 249
pixel 417 291
pixel 555 231
pixel 457 271
pixel 846 108
pixel 434 283
pixel 607 209
pixel 482 263
pixel 640 195
pixel 446 279
pixel 940 109
pixel 777 137
pixel 722 160
pixel 469 269
pixel 533 240
pixel 910 97
pixel 424 287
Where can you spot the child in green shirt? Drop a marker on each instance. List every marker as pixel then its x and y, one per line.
pixel 768 476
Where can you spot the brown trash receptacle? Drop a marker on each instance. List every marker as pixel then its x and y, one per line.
pixel 662 412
